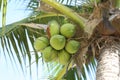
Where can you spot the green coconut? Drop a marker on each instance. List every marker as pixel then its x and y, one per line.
pixel 40 43
pixel 72 46
pixel 63 57
pixel 68 30
pixel 58 42
pixel 53 27
pixel 49 54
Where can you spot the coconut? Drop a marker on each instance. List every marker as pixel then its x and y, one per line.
pixel 68 30
pixel 72 46
pixel 40 43
pixel 49 54
pixel 53 27
pixel 58 42
pixel 63 57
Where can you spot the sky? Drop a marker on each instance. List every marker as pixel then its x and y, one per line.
pixel 16 11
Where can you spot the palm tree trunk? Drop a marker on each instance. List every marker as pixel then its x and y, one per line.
pixel 119 66
pixel 109 63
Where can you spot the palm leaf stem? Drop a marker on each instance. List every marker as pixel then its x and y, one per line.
pixel 4 15
pixel 117 4
pixel 67 11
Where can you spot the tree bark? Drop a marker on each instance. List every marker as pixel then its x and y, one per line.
pixel 109 63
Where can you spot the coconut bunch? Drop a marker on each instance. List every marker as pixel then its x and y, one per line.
pixel 59 44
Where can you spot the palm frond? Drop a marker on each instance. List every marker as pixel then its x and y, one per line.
pixel 72 2
pixel 33 4
pixel 87 73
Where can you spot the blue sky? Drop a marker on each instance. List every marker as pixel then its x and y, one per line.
pixel 16 11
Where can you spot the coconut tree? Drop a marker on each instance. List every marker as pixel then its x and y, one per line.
pixel 97 32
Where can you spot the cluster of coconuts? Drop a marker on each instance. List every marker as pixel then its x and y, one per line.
pixel 58 45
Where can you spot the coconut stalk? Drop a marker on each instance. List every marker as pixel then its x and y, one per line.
pixel 67 11
pixel 117 4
